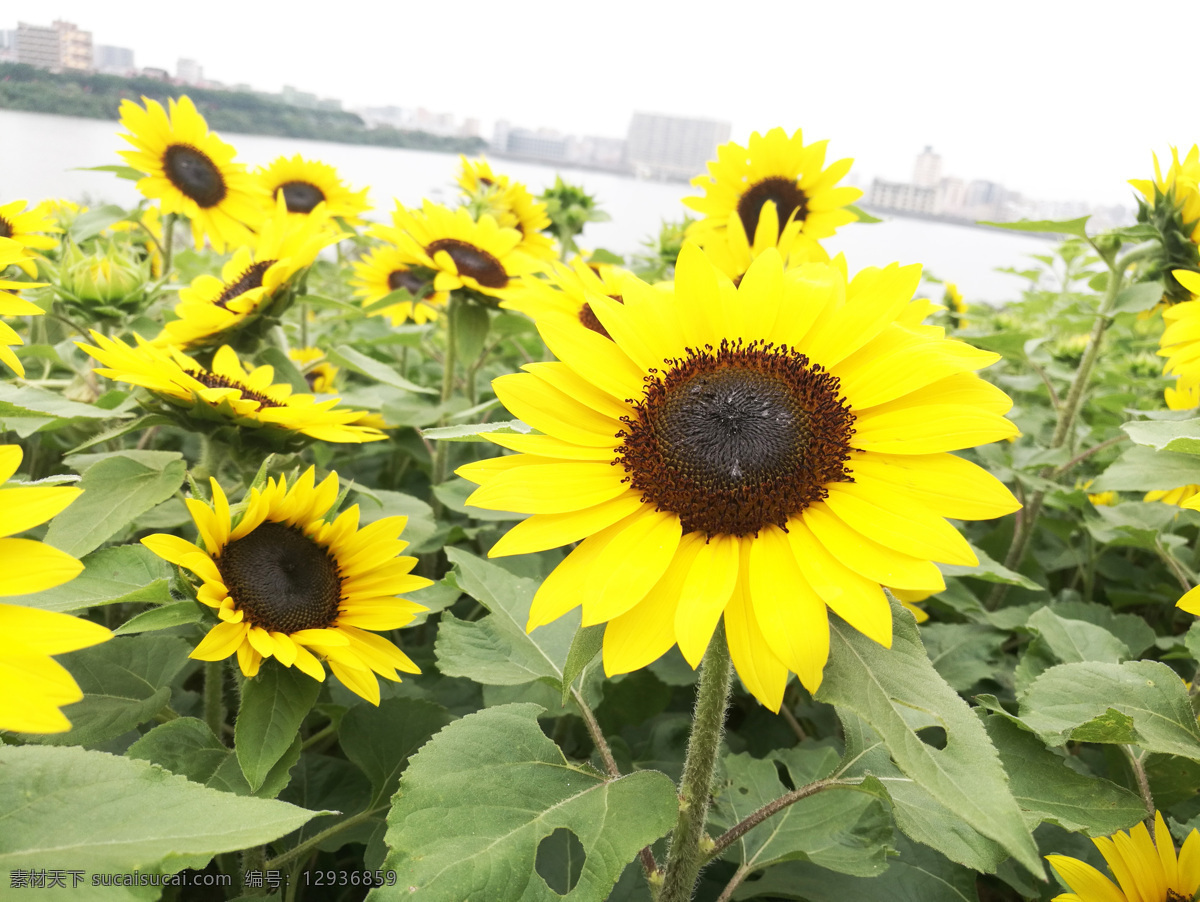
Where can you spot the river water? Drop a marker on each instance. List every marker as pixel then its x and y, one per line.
pixel 41 156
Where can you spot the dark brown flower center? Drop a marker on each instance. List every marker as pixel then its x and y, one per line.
pixel 6 228
pixel 300 197
pixel 193 173
pixel 472 261
pixel 1173 896
pixel 251 278
pixel 408 280
pixel 736 439
pixel 784 192
pixel 587 316
pixel 214 380
pixel 283 580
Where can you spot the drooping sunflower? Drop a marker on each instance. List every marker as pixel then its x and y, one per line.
pixel 1172 205
pixel 306 183
pixel 756 453
pixel 12 253
pixel 33 686
pixel 191 171
pixel 563 296
pixel 229 392
pixel 462 251
pixel 253 282
pixel 1147 869
pixel 285 583
pixel 318 372
pixel 777 168
pixel 28 227
pixel 386 269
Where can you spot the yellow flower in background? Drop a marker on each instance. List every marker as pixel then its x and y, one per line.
pixel 211 309
pixel 510 203
pixel 463 252
pixel 28 227
pixel 13 253
pixel 755 453
pixel 475 176
pixel 33 686
pixel 304 184
pixel 287 583
pixel 190 170
pixel 783 171
pixel 1146 869
pixel 59 210
pixel 386 269
pixel 732 252
pixel 563 296
pixel 317 371
pixel 228 392
pixel 1184 398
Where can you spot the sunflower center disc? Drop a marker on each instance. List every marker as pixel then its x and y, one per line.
pixel 215 380
pixel 282 579
pixel 589 320
pixel 300 197
pixel 472 261
pixel 251 278
pixel 6 229
pixel 785 193
pixel 193 173
pixel 737 439
pixel 408 280
pixel 1173 896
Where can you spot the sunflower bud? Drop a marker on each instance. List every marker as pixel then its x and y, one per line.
pixel 107 283
pixel 1171 205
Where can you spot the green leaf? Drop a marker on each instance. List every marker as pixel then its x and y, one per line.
pixel 1146 694
pixel 963 653
pixel 125 682
pixel 453 494
pixel 346 356
pixel 1076 227
pixel 274 703
pixel 29 400
pixel 584 647
pixel 496 650
pixel 162 618
pixel 116 491
pixel 142 422
pixel 1138 297
pixel 1142 469
pixel 380 740
pixel 94 221
pixel 840 828
pixel 1049 790
pixel 990 571
pixel 124 816
pixel 885 687
pixel 471 323
pixel 127 573
pixel 1181 436
pixel 478 799
pixel 285 370
pixel 468 432
pixel 863 215
pixel 1132 630
pixel 1076 640
pixel 121 172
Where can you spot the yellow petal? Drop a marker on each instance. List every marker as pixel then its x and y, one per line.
pixel 630 564
pixel 948 485
pixel 221 642
pixel 25 631
pixel 27 566
pixel 705 593
pixel 882 515
pixel 763 674
pixel 551 488
pixel 26 506
pixel 543 531
pixel 874 561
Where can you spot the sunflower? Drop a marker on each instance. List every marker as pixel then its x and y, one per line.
pixel 510 203
pixel 32 686
pixel 463 252
pixel 306 183
pixel 475 176
pixel 1147 869
pixel 317 371
pixel 285 583
pixel 26 226
pixel 756 452
pixel 59 210
pixel 1172 206
pixel 191 171
pixel 563 297
pixel 253 282
pixel 1180 341
pixel 386 269
pixel 778 169
pixel 228 392
pixel 1187 398
pixel 13 253
pixel 731 252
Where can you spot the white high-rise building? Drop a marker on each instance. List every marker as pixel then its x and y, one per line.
pixel 672 146
pixel 927 171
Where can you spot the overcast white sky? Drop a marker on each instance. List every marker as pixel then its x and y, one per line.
pixel 1057 99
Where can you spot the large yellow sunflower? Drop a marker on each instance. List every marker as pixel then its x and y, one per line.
pixel 285 583
pixel 12 253
pixel 386 269
pixel 228 392
pixel 306 183
pixel 191 171
pixel 756 453
pixel 1147 869
pixel 253 282
pixel 33 686
pixel 782 170
pixel 27 227
pixel 463 252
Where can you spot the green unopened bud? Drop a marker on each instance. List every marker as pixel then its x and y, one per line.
pixel 107 281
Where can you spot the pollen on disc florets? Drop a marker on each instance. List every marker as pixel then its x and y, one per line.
pixel 283 580
pixel 737 438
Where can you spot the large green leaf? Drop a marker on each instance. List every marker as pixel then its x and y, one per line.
pixel 103 814
pixel 346 356
pixel 886 687
pixel 1074 701
pixel 274 703
pixel 990 571
pixel 125 682
pixel 380 740
pixel 841 829
pixel 478 799
pixel 29 400
pixel 127 573
pixel 963 653
pixel 1076 227
pixel 1076 640
pixel 116 490
pixel 1048 790
pixel 1180 436
pixel 1143 469
pixel 162 618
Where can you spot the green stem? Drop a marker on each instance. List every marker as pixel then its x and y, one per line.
pixel 442 450
pixel 214 696
pixel 210 459
pixel 254 859
pixel 1143 783
pixel 312 842
pixel 168 244
pixel 712 697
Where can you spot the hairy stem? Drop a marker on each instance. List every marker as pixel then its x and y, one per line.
pixel 1143 783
